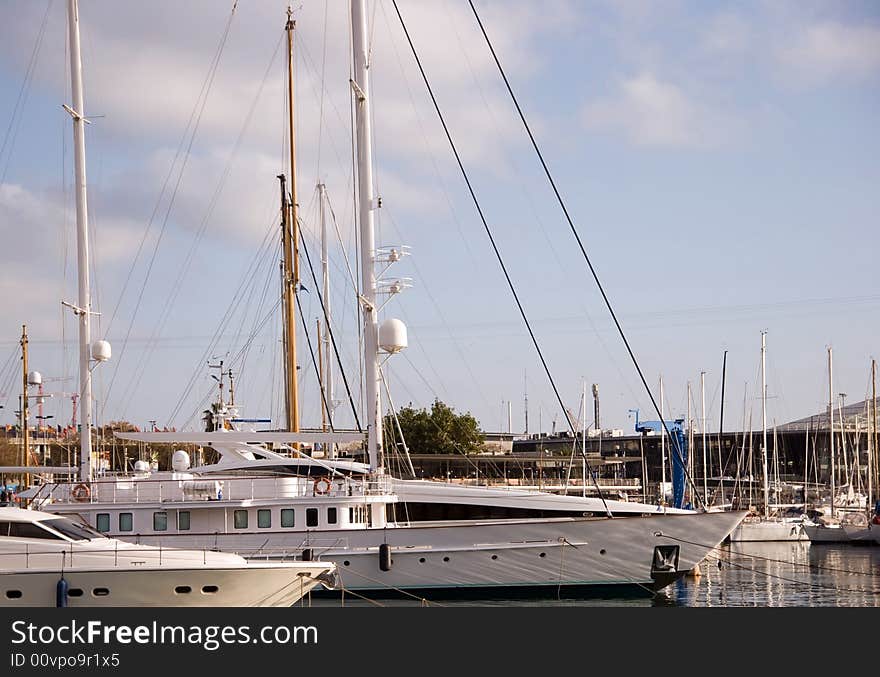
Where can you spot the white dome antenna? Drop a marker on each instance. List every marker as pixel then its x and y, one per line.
pixel 392 336
pixel 101 351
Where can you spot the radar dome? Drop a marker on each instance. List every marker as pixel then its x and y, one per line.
pixel 180 461
pixel 392 336
pixel 34 378
pixel 141 466
pixel 101 351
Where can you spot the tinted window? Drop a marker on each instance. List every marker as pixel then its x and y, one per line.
pixel 29 530
pixel 311 517
pixel 331 515
pixel 183 520
pixel 288 517
pixel 264 519
pixel 160 521
pixel 73 530
pixel 240 519
pixel 102 522
pixel 125 521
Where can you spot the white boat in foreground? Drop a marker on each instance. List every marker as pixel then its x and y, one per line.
pixel 47 560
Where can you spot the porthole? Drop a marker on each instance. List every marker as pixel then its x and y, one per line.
pixel 182 590
pixel 602 551
pixel 13 594
pixel 543 554
pixel 346 563
pixel 445 559
pixel 101 592
pixel 421 560
pixel 75 592
pixel 494 556
pixel 209 589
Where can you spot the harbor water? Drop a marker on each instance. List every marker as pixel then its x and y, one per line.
pixel 795 574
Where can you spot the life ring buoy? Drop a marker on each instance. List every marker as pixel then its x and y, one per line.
pixel 81 492
pixel 322 485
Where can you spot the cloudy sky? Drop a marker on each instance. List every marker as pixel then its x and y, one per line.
pixel 719 161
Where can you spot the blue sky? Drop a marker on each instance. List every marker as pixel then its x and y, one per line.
pixel 719 161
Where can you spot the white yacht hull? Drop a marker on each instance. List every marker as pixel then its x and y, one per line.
pixel 493 554
pixel 235 587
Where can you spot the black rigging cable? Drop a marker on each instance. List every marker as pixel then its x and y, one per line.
pixel 492 241
pixel 583 249
pixel 330 332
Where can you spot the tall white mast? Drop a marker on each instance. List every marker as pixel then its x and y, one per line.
pixel 705 453
pixel 662 444
pixel 764 422
pixel 325 280
pixel 366 204
pixel 83 309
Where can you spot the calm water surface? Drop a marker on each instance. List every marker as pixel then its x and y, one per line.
pixel 737 575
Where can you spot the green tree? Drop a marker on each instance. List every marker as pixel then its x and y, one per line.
pixel 438 431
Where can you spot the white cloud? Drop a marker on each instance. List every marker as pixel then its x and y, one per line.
pixel 727 33
pixel 823 51
pixel 650 112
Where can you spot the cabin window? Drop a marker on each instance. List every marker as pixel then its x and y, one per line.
pixel 240 519
pixel 102 522
pixel 160 521
pixel 29 530
pixel 288 518
pixel 125 521
pixel 183 520
pixel 101 592
pixel 264 519
pixel 331 515
pixel 311 517
pixel 13 594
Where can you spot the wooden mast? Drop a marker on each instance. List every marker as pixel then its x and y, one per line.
pixel 290 248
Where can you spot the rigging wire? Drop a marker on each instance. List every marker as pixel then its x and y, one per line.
pixel 227 317
pixel 201 102
pixel 582 248
pixel 23 92
pixel 332 336
pixel 184 268
pixel 492 239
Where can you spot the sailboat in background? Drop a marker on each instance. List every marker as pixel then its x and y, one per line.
pixel 769 525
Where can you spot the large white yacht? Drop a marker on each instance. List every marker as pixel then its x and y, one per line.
pixel 50 560
pixel 384 533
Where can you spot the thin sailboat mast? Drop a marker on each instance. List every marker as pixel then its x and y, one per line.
pixel 290 249
pixel 705 445
pixel 764 423
pixel 360 85
pixel 325 295
pixel 831 425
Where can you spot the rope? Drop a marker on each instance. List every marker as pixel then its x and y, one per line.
pixel 492 239
pixel 583 251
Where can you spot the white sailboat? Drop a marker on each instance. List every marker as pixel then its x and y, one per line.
pixel 768 526
pixel 385 533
